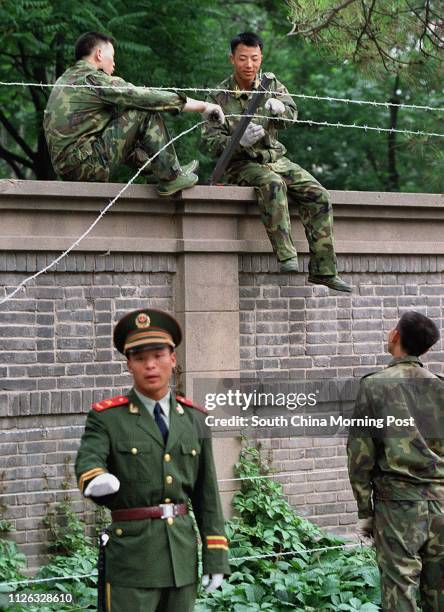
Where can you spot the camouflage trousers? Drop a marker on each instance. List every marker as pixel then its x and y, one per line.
pixel 273 182
pixel 131 138
pixel 409 539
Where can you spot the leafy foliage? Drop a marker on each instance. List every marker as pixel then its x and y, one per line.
pixel 186 44
pixel 265 524
pixel 377 35
pixel 337 579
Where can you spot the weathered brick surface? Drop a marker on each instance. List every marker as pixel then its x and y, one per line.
pixel 56 358
pixel 316 334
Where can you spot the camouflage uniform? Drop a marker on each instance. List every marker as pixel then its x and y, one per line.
pixel 397 476
pixel 90 132
pixel 265 167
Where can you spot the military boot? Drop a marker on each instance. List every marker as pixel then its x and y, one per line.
pixel 182 181
pixel 289 265
pixel 192 166
pixel 331 281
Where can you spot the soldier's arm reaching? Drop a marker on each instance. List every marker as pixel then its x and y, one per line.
pixel 281 106
pixel 117 92
pixel 215 137
pixel 361 459
pixel 91 464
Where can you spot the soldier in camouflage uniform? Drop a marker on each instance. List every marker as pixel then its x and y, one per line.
pixel 260 161
pixel 397 473
pixel 103 122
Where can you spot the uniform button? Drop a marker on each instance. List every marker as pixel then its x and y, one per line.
pixel 167 501
pixel 119 532
pixel 170 520
pixel 167 457
pixel 169 479
pixel 134 451
pixel 193 452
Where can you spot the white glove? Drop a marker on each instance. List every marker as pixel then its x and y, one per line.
pixel 365 530
pixel 103 484
pixel 214 112
pixel 216 581
pixel 276 107
pixel 252 134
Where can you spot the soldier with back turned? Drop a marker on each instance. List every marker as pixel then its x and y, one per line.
pixel 397 473
pixel 95 122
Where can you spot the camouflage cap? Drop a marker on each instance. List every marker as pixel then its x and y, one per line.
pixel 146 328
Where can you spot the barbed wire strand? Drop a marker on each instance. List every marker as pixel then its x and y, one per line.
pixel 183 133
pixel 98 218
pixel 265 556
pixel 338 124
pixel 221 90
pixel 239 479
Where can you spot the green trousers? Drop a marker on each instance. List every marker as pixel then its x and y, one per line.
pixel 127 599
pixel 130 138
pixel 409 539
pixel 274 182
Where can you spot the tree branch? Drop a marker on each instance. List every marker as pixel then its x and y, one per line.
pixel 16 136
pixel 9 157
pixel 328 15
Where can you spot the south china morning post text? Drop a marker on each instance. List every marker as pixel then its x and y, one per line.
pixel 275 408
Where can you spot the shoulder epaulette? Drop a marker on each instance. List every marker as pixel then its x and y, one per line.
pixel 187 402
pixel 119 400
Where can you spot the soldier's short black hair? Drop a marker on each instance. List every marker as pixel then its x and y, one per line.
pixel 417 333
pixel 249 39
pixel 86 43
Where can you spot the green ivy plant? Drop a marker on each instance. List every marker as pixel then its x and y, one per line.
pixel 265 524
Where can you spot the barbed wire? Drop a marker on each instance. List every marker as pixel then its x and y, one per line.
pixel 221 90
pixel 97 219
pixel 249 558
pixel 238 479
pixel 338 124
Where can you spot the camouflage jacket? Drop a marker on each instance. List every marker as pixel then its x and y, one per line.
pixel 74 117
pixel 267 149
pixel 404 462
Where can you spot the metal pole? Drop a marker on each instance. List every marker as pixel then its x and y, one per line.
pixel 227 154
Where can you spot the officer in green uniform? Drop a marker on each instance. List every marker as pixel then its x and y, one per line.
pixel 95 122
pixel 147 456
pixel 260 161
pixel 397 472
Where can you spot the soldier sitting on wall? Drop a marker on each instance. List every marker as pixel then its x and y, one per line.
pixel 259 161
pixel 397 476
pixel 103 122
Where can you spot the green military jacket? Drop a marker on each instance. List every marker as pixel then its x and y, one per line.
pixel 125 441
pixel 267 149
pixel 405 463
pixel 74 117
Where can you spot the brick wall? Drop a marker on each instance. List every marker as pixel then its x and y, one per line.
pixel 56 353
pixel 292 330
pixel 56 358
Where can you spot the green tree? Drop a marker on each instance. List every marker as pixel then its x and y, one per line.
pixel 186 44
pixel 398 43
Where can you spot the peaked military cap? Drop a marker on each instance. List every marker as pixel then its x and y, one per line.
pixel 146 328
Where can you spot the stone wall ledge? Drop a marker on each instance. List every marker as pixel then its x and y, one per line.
pixel 50 215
